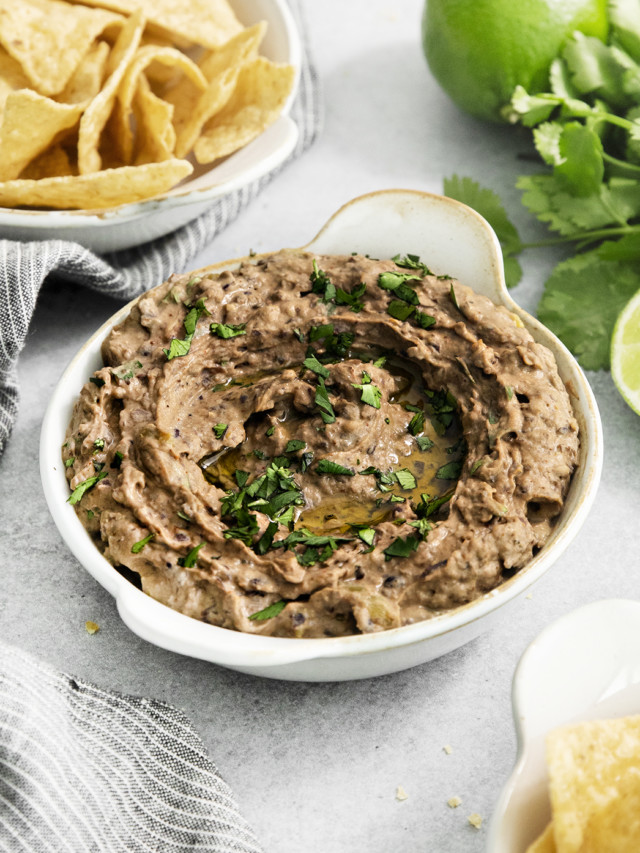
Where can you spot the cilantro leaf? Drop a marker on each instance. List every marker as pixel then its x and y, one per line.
pixel 312 363
pixel 219 430
pixel 227 330
pixel 84 487
pixel 326 466
pixel 191 558
pixel 294 445
pixel 400 310
pixel 401 547
pixel 180 347
pixel 138 546
pixel 268 612
pixel 369 393
pixel 582 299
pixel 450 471
pixel 405 479
pixel 323 402
pixel 488 205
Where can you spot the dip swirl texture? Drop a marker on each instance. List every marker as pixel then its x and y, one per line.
pixel 314 446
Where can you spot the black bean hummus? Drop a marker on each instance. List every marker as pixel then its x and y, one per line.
pixel 313 446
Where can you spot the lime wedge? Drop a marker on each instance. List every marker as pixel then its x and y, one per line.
pixel 625 353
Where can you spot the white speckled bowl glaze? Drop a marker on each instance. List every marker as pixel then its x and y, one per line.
pixel 133 224
pixel 584 666
pixel 452 239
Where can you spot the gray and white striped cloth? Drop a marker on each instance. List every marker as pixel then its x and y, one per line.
pixel 126 274
pixel 84 770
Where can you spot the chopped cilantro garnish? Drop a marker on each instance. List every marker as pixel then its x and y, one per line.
pixel 305 460
pixel 401 547
pixel 422 526
pixel 266 540
pixel 321 283
pixel 400 310
pixel 380 362
pixel 508 390
pixel 191 559
pixel 69 462
pixel 351 298
pixel 98 445
pixel 299 335
pixel 424 442
pixel 395 282
pixel 118 456
pixel 271 430
pixel 323 403
pixel 268 612
pixel 367 534
pixel 317 333
pixel 180 347
pixel 259 454
pixel 227 330
pixel 138 546
pixel 219 430
pixel 84 486
pixel 312 363
pixel 127 370
pixel 241 478
pixel 476 465
pixel 294 444
pixel 454 298
pixel 184 516
pixel 326 466
pixel 97 381
pixel 369 393
pixel 429 506
pixel 450 471
pixel 405 479
pixel 411 262
pixel 425 321
pixel 416 424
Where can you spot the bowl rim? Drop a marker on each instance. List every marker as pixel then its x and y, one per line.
pixel 212 642
pixel 182 193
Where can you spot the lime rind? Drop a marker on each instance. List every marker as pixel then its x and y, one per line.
pixel 625 353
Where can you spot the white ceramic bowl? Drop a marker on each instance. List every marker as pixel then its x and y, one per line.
pixel 452 239
pixel 132 224
pixel 584 666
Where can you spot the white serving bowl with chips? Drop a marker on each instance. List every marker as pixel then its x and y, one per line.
pixel 126 225
pixel 454 240
pixel 599 644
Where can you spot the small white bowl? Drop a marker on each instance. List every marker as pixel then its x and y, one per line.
pixel 584 666
pixel 132 224
pixel 452 239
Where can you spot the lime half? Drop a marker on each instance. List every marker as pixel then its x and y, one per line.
pixel 625 353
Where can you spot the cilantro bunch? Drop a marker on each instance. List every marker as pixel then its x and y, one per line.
pixel 586 131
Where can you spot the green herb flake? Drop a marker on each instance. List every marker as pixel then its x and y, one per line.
pixel 400 310
pixel 411 262
pixel 268 612
pixel 425 321
pixel 219 430
pixel 476 465
pixel 299 335
pixel 454 298
pixel 241 478
pixel 450 471
pixel 271 430
pixel 191 558
pixel 422 526
pixel 312 363
pixel 69 462
pixel 138 546
pixel 98 445
pixel 118 456
pixel 324 404
pixel 406 479
pixel 416 424
pixel 294 445
pixel 424 442
pixel 326 466
pixel 401 547
pixel 367 534
pixel 180 347
pixel 84 486
pixel 369 393
pixel 227 330
pixel 508 390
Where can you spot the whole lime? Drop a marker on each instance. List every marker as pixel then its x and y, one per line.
pixel 480 50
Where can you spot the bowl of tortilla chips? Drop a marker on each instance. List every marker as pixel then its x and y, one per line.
pixel 575 787
pixel 122 120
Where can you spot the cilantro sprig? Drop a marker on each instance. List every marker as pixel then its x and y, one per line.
pixel 586 133
pixel 181 346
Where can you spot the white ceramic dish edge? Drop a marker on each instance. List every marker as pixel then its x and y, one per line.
pixel 380 224
pixel 585 665
pixel 137 223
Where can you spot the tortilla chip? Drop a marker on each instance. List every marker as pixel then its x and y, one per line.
pixel 49 38
pixel 52 163
pixel 588 765
pixel 221 68
pixel 108 188
pixel 96 115
pixel 30 123
pixel 12 77
pixel 155 134
pixel 88 77
pixel 208 23
pixel 616 828
pixel 146 56
pixel 258 98
pixel 545 843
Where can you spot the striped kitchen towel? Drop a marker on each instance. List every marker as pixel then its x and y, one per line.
pixel 84 769
pixel 126 274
